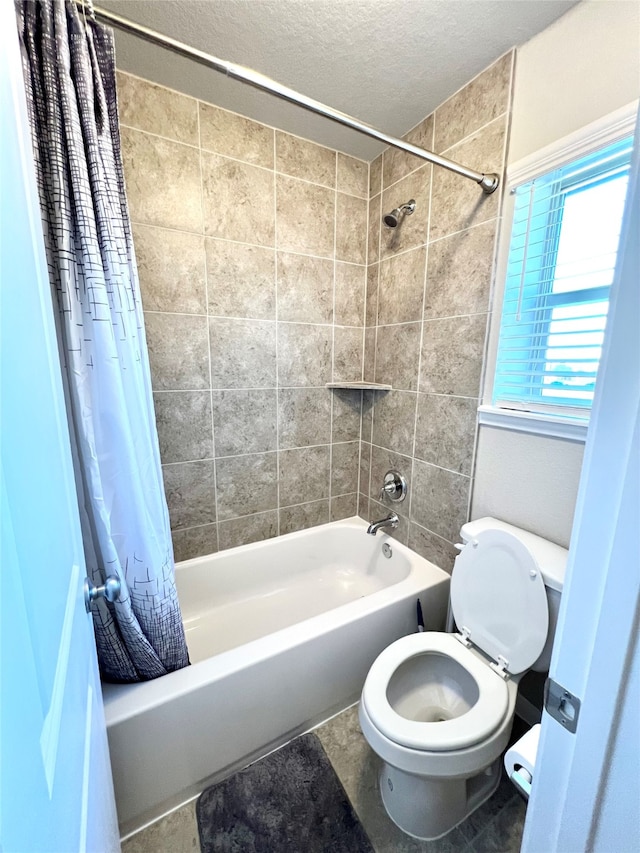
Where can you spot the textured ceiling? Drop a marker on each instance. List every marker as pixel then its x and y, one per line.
pixel 386 62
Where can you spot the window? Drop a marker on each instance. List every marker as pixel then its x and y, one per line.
pixel 562 255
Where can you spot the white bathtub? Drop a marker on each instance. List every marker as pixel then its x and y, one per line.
pixel 281 636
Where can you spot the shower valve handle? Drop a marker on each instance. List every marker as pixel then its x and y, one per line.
pixel 394 486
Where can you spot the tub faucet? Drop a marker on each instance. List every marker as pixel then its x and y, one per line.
pixel 390 521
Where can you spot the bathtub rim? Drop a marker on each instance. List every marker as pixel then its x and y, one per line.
pixel 126 701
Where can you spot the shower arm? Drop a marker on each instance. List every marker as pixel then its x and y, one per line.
pixel 488 182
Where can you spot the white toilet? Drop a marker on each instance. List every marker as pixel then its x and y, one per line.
pixel 438 708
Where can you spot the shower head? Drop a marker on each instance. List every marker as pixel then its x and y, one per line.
pixel 393 219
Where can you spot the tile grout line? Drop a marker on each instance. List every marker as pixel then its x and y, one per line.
pixel 198 101
pixel 430 320
pixel 263 512
pixel 206 296
pixel 359 452
pixel 446 152
pixel 433 533
pixel 375 336
pixel 447 236
pixel 304 388
pixel 241 389
pixel 249 319
pixel 364 339
pixel 250 163
pixel 421 461
pixel 471 227
pixel 257 453
pixel 422 329
pixel 275 241
pixel 323 325
pixel 363 316
pixel 263 246
pixel 375 341
pixel 363 489
pixel 333 335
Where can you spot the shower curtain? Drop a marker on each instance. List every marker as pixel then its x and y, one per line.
pixel 69 71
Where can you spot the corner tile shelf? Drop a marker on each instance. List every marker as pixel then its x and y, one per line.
pixel 359 386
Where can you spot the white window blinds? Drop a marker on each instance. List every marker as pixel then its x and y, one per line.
pixel 562 256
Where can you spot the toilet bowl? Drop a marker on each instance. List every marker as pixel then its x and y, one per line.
pixel 438 708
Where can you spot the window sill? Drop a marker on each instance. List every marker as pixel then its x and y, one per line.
pixel 534 423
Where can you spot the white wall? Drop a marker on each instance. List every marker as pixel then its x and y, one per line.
pixel 582 67
pixel 528 480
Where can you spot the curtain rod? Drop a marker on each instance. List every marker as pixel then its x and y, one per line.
pixel 488 182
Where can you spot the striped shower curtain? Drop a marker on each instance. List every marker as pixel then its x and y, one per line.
pixel 69 72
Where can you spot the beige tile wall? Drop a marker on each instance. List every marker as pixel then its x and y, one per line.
pixel 262 263
pixel 251 248
pixel 427 309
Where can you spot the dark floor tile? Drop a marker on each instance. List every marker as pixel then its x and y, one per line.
pixel 504 833
pixel 481 817
pixel 357 767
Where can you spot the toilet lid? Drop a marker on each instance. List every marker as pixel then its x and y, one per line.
pixel 498 595
pixel 469 728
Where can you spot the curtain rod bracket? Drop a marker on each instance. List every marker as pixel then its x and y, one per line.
pixel 489 183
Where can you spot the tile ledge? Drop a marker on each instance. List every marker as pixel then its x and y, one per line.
pixel 360 386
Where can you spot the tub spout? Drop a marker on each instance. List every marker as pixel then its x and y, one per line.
pixel 390 521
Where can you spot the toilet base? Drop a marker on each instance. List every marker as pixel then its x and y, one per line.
pixel 428 808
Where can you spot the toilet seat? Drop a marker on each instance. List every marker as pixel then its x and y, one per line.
pixel 499 600
pixel 480 721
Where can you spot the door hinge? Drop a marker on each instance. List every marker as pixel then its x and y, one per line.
pixel 561 705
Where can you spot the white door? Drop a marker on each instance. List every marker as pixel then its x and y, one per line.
pixel 56 791
pixel 586 788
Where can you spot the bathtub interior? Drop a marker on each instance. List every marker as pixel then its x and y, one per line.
pixel 245 593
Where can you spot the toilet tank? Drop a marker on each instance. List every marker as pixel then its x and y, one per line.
pixel 552 560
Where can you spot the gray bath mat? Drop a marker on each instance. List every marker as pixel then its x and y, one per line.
pixel 289 802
